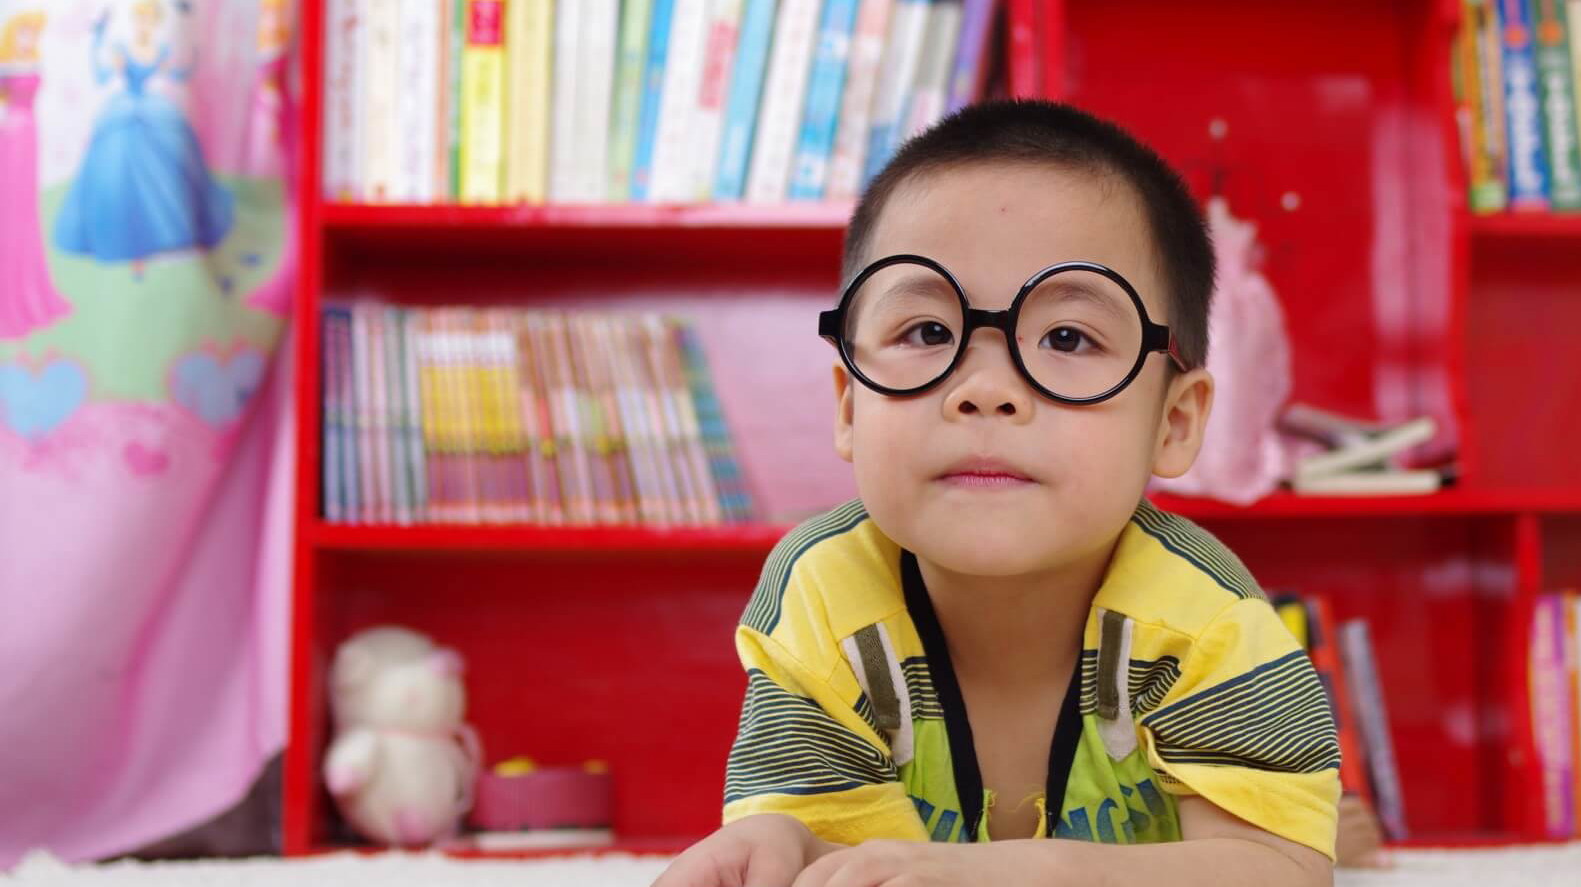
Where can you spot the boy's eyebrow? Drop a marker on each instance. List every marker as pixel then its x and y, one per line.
pixel 1106 298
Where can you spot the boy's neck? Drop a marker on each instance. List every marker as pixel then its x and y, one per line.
pixel 1013 630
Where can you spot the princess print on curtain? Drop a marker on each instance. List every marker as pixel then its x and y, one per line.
pixel 28 298
pixel 143 187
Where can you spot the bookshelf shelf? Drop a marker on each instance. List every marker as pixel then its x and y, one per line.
pixel 751 540
pixel 816 216
pixel 1536 226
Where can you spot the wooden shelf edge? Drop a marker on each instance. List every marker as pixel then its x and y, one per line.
pixel 742 539
pixel 820 216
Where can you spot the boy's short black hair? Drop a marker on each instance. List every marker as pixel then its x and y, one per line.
pixel 1042 132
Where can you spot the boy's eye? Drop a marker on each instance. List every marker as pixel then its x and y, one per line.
pixel 1065 338
pixel 930 333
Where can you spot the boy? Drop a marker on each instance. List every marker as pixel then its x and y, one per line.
pixel 997 642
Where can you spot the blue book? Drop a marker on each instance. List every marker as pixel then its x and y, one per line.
pixel 1528 162
pixel 652 88
pixel 825 88
pixel 741 105
pixel 971 54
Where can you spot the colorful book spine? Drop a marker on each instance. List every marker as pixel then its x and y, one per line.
pixel 971 54
pixel 603 372
pixel 332 499
pixel 1572 606
pixel 850 143
pixel 1528 165
pixel 1551 715
pixel 719 56
pixel 445 99
pixel 562 128
pixel 930 92
pixel 1490 55
pixel 411 398
pixel 1573 20
pixel 455 58
pixel 634 422
pixel 1556 88
pixel 541 463
pixel 417 107
pixel 1372 716
pixel 595 84
pixel 529 47
pixel 393 379
pixel 908 28
pixel 1482 143
pixel 683 75
pixel 626 105
pixel 342 100
pixel 483 103
pixel 381 123
pixel 362 417
pixel 1322 647
pixel 825 88
pixel 741 104
pixel 734 499
pixel 652 95
pixel 784 97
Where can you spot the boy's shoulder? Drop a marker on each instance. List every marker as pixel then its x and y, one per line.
pixel 1170 574
pixel 835 573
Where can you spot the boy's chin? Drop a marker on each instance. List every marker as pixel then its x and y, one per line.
pixel 984 548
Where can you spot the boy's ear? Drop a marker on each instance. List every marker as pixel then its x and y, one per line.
pixel 842 412
pixel 1187 403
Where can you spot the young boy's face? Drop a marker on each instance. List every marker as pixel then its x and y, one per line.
pixel 982 475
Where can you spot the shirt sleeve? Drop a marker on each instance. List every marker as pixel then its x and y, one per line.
pixel 1248 727
pixel 805 751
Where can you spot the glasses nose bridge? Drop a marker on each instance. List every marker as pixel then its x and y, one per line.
pixel 983 317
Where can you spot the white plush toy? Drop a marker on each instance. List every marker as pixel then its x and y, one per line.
pixel 402 766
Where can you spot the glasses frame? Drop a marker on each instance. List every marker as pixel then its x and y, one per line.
pixel 1155 337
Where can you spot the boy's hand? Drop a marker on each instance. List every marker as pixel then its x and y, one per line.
pixel 766 850
pixel 924 864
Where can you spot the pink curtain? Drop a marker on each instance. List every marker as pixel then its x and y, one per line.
pixel 145 462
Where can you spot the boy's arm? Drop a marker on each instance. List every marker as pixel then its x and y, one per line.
pixel 1218 849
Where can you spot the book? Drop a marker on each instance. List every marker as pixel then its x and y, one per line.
pixel 971 54
pixel 1368 449
pixel 1372 717
pixel 908 27
pixel 1572 607
pixel 719 56
pixel 1527 161
pixel 652 94
pixel 342 100
pixel 600 20
pixel 851 135
pixel 483 103
pixel 825 88
pixel 332 500
pixel 784 95
pixel 930 90
pixel 417 110
pixel 362 416
pixel 626 104
pixel 1482 132
pixel 417 467
pixel 742 101
pixel 1322 646
pixel 563 184
pixel 380 72
pixel 1552 719
pixel 735 500
pixel 1556 90
pixel 529 49
pixel 1383 482
pixel 673 164
pixel 455 56
pixel 393 378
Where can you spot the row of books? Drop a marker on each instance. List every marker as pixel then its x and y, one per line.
pixel 1555 670
pixel 502 415
pixel 1517 75
pixel 674 101
pixel 1346 664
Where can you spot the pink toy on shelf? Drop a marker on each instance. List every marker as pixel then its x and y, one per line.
pixel 520 803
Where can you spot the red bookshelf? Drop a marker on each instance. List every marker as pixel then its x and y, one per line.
pixel 616 643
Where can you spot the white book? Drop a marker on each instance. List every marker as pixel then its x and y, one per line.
pixel 1370 450
pixel 418 108
pixel 342 101
pixel 723 33
pixel 673 147
pixel 381 123
pixel 856 105
pixel 1393 482
pixel 784 94
pixel 595 81
pixel 562 134
pixel 908 26
pixel 1360 668
pixel 931 90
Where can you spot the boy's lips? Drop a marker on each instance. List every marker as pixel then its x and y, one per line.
pixel 985 473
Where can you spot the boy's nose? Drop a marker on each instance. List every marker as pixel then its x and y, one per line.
pixel 988 385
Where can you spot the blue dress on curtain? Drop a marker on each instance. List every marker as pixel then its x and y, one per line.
pixel 143 187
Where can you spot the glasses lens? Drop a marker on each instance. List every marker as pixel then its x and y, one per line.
pixel 1079 334
pixel 903 326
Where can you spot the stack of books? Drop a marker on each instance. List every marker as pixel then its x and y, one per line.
pixel 1517 75
pixel 1554 667
pixel 499 415
pixel 614 101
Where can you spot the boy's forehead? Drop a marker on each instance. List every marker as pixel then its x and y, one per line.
pixel 996 225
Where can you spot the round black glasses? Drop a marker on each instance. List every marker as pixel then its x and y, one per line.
pixel 1077 331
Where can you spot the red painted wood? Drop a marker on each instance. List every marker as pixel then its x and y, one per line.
pixel 616 643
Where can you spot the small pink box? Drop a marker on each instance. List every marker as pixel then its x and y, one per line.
pixel 546 798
